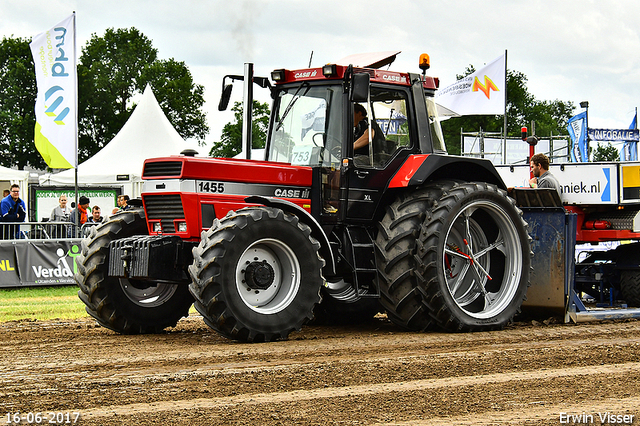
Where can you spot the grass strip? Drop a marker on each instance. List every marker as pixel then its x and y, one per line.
pixel 43 303
pixel 40 303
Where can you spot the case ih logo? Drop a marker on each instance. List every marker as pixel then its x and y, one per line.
pixel 291 193
pixel 486 87
pixel 393 78
pixel 306 74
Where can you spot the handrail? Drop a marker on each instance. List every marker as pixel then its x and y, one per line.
pixel 43 230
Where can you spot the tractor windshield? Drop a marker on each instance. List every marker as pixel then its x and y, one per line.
pixel 307 126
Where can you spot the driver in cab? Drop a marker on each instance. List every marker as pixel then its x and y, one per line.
pixel 361 131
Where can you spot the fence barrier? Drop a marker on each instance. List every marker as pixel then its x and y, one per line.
pixel 43 230
pixel 39 253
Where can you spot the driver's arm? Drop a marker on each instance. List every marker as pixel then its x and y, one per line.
pixel 364 139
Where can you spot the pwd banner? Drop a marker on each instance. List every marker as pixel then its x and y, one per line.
pixel 54 54
pixel 614 135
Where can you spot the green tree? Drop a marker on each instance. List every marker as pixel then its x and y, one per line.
pixel 112 70
pixel 116 67
pixel 230 144
pixel 606 153
pixel 17 105
pixel 550 117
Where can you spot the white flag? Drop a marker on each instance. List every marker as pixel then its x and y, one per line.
pixel 480 93
pixel 54 53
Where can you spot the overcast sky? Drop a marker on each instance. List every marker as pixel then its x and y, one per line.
pixel 569 50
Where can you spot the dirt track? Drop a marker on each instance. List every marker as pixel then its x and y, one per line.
pixel 369 374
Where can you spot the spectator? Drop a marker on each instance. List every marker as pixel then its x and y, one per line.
pixel 79 215
pixel 542 177
pixel 62 212
pixel 95 215
pixel 122 204
pixel 5 193
pixel 12 209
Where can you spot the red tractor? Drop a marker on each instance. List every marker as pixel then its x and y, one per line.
pixel 316 229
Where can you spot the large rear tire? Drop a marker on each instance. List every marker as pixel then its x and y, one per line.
pixel 123 305
pixel 474 255
pixel 401 287
pixel 256 274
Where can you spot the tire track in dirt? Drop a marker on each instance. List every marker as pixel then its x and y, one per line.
pixel 370 374
pixel 547 415
pixel 351 391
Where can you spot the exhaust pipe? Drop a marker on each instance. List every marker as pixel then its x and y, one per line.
pixel 247 112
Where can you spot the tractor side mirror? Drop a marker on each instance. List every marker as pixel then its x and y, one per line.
pixel 224 98
pixel 360 87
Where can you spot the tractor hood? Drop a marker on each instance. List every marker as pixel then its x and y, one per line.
pixel 226 169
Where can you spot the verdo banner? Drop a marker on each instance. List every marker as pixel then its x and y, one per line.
pixel 38 263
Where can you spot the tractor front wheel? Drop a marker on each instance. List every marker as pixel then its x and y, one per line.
pixel 256 274
pixel 123 305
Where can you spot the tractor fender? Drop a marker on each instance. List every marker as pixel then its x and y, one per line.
pixel 316 229
pixel 418 169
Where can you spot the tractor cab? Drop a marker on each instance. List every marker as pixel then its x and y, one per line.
pixel 355 128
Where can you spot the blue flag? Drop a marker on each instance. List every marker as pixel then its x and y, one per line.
pixel 577 127
pixel 633 145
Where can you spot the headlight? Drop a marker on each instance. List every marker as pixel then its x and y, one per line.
pixel 182 227
pixel 157 227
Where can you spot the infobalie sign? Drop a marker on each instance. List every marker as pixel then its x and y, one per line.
pixel 614 135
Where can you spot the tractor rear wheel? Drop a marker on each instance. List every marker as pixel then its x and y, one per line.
pixel 474 256
pixel 401 289
pixel 256 274
pixel 123 305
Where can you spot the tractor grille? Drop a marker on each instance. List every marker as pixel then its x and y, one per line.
pixel 162 168
pixel 167 208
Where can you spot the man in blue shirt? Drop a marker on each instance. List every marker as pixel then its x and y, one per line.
pixel 12 209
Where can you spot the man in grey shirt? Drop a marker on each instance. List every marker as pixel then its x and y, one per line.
pixel 542 177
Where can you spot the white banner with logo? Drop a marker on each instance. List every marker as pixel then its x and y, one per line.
pixel 54 54
pixel 480 93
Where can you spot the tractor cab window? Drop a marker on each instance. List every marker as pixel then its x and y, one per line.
pixel 436 129
pixel 307 129
pixel 385 114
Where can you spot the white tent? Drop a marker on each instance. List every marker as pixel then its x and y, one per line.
pixel 148 133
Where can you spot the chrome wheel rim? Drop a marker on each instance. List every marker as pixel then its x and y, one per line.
pixel 482 261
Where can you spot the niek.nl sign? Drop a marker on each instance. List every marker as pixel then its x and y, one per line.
pixel 614 135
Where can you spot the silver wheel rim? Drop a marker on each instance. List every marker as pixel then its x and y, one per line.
pixel 286 276
pixel 148 297
pixel 470 241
